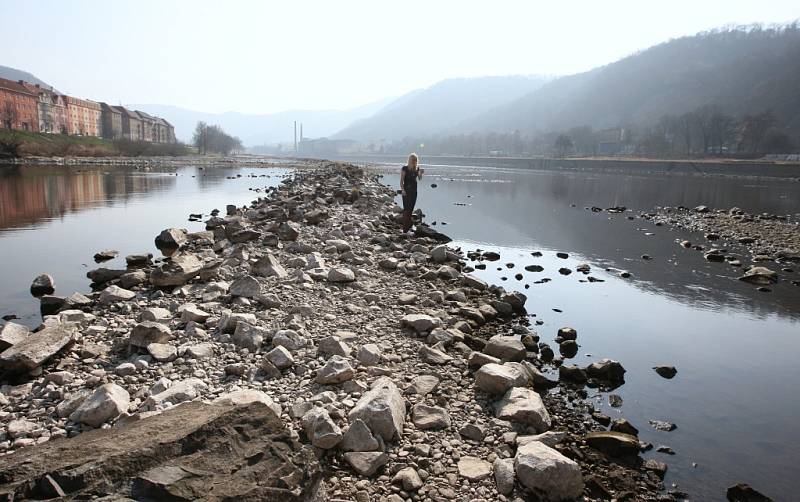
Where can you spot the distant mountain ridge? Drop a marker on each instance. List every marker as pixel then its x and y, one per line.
pixel 262 129
pixel 742 71
pixel 14 74
pixel 440 107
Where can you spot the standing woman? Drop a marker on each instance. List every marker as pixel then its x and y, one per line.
pixel 409 175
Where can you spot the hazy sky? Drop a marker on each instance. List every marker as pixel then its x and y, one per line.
pixel 266 56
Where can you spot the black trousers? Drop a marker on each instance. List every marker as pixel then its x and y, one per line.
pixel 410 200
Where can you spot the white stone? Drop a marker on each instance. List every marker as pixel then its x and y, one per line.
pixel 548 472
pixel 107 402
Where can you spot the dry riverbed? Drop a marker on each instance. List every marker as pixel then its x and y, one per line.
pixel 344 361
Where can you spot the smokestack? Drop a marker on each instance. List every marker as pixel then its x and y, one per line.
pixel 301 132
pixel 295 136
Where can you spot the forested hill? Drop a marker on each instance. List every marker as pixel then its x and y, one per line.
pixel 440 107
pixel 740 70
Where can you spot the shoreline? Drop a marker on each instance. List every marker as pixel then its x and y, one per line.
pixel 304 302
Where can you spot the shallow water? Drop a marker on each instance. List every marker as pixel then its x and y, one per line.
pixel 734 399
pixel 54 219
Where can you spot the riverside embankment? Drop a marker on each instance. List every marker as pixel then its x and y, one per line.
pixel 375 364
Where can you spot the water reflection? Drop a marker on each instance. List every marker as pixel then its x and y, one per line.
pixel 29 195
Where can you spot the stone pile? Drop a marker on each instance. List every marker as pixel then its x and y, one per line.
pixel 348 342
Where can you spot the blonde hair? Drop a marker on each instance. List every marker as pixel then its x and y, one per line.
pixel 413 157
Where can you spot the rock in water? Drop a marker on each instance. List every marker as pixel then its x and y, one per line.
pixel 755 275
pixel 382 408
pixel 43 285
pixel 204 451
pixel 34 350
pixel 548 472
pixel 743 492
pixel 107 402
pixel 616 444
pixel 666 371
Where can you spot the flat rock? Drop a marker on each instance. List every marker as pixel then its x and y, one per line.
pixel 113 294
pixel 205 451
pixel 162 352
pixel 421 323
pixel 341 275
pixel 36 349
pixel 247 287
pixel 430 417
pixel 434 355
pixel 422 385
pixel 474 468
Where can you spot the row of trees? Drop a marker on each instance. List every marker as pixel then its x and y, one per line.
pixel 705 131
pixel 211 138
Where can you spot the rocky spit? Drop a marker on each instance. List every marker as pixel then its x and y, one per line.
pixel 769 242
pixel 302 348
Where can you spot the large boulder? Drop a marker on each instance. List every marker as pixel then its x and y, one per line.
pixel 107 402
pixel 170 240
pixel 382 408
pixel 36 349
pixel 497 379
pixel 177 271
pixel 194 451
pixel 522 405
pixel 548 473
pixel 43 285
pixel 506 348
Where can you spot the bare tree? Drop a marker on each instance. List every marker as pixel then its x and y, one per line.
pixel 721 126
pixel 685 125
pixel 755 127
pixel 9 115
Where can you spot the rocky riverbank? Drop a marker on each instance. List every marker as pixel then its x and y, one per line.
pixel 735 237
pixel 302 348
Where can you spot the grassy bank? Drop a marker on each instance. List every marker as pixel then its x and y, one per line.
pixel 15 144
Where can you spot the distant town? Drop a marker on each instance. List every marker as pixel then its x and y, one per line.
pixel 35 108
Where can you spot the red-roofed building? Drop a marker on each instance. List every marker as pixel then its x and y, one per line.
pixel 18 107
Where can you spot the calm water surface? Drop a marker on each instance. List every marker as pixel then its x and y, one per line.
pixel 54 219
pixel 734 399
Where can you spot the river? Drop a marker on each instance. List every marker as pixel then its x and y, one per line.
pixel 734 399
